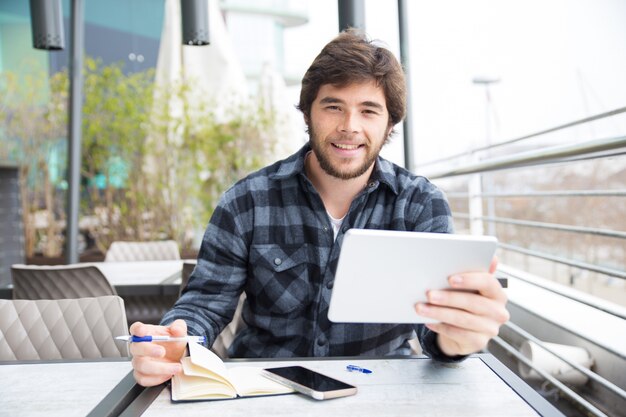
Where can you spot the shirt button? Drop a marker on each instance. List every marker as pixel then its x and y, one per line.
pixel 321 341
pixel 329 285
pixel 326 228
pixel 372 184
pixel 277 261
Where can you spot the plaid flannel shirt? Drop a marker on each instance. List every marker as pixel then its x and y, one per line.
pixel 271 237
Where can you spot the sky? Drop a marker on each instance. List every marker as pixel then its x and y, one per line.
pixel 556 61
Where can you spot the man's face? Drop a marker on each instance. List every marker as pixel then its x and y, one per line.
pixel 348 128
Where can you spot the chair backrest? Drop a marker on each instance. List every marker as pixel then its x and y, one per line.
pixel 80 328
pixel 226 337
pixel 188 268
pixel 163 250
pixel 55 282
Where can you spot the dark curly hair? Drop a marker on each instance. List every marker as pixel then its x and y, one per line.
pixel 352 57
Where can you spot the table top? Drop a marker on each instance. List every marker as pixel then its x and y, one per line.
pixel 478 386
pixel 141 272
pixel 395 387
pixel 57 389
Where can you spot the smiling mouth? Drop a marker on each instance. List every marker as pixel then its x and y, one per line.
pixel 346 146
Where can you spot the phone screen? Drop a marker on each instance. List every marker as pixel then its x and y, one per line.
pixel 309 378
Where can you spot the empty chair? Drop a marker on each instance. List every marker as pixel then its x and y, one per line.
pixel 226 337
pixel 188 268
pixel 81 328
pixel 55 282
pixel 163 250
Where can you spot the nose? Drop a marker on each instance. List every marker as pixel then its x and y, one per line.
pixel 349 123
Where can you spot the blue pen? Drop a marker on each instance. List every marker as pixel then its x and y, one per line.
pixel 354 368
pixel 131 338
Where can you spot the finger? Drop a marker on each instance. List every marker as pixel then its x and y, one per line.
pixel 178 328
pixel 140 329
pixel 175 350
pixel 460 319
pixel 137 328
pixel 494 265
pixel 470 302
pixel 151 367
pixel 486 284
pixel 150 380
pixel 148 349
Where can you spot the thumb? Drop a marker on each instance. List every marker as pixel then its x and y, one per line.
pixel 178 328
pixel 494 265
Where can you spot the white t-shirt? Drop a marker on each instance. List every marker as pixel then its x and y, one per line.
pixel 336 223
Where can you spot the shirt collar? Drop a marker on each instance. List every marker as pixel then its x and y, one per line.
pixel 293 165
pixel 384 171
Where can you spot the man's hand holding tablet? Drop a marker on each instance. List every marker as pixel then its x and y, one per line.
pixel 421 273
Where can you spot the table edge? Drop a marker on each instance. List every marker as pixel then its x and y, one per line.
pixel 137 399
pixel 542 406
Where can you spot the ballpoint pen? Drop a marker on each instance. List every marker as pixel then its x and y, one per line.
pixel 159 338
pixel 354 368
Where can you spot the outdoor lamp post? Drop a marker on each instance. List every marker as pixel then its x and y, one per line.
pixel 47 27
pixel 195 19
pixel 46 21
pixel 351 14
pixel 486 82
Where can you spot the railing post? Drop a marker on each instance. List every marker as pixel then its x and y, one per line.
pixel 474 188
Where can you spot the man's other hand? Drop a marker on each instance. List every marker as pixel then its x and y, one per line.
pixel 153 362
pixel 469 318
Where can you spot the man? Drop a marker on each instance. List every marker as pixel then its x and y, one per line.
pixel 277 234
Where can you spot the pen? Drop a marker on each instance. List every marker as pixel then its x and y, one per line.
pixel 131 338
pixel 354 368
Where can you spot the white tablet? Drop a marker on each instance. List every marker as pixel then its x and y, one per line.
pixel 381 274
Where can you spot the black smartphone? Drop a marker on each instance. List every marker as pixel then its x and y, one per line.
pixel 311 383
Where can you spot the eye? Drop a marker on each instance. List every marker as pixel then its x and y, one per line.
pixel 370 111
pixel 334 108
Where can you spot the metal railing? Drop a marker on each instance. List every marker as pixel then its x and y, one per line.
pixel 549 155
pixel 565 261
pixel 541 194
pixel 561 291
pixel 590 374
pixel 585 120
pixel 561 386
pixel 550 226
pixel 597 148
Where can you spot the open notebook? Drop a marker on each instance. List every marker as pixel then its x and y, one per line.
pixel 206 377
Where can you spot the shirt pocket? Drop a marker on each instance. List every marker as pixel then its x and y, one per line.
pixel 280 280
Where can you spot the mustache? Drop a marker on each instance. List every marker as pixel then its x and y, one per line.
pixel 346 138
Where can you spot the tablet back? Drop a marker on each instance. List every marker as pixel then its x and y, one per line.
pixel 381 274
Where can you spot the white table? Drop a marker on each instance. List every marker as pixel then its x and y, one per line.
pixel 396 387
pixel 57 389
pixel 479 386
pixel 149 288
pixel 141 272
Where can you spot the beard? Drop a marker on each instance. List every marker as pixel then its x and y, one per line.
pixel 335 169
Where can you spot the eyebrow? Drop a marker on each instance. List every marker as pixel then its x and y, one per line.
pixel 367 103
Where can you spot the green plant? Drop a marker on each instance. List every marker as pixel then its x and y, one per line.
pixel 32 130
pixel 154 160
